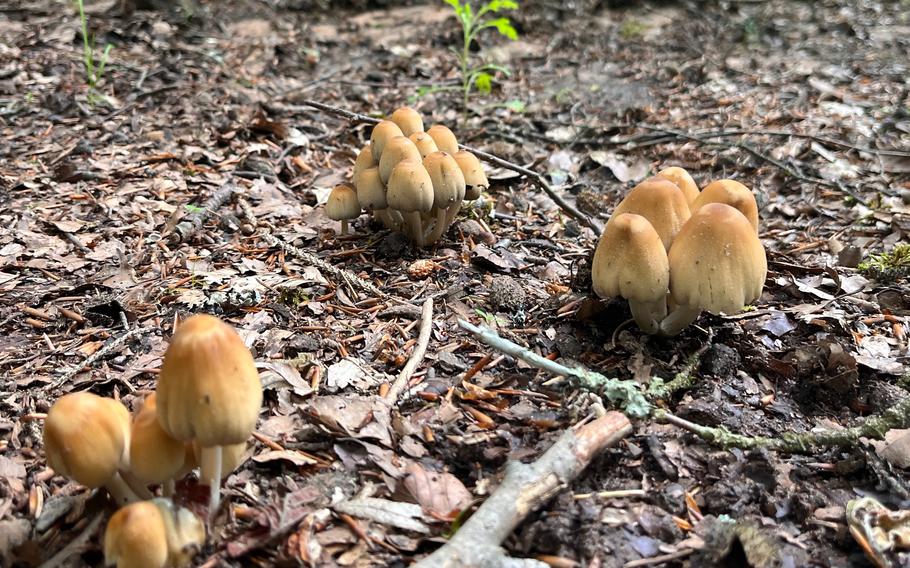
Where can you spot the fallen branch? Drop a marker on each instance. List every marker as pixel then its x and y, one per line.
pixel 423 339
pixel 684 379
pixel 537 178
pixel 193 222
pixel 524 488
pixel 114 344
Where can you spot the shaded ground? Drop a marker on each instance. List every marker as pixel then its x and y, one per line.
pixel 92 192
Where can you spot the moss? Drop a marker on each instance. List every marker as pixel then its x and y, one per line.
pixel 632 29
pixel 888 265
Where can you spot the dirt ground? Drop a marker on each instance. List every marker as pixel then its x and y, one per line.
pixel 804 102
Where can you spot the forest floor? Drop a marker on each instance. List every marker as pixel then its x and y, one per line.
pixel 804 102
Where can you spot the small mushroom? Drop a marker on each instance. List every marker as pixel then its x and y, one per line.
pixel 425 144
pixel 411 193
pixel 155 457
pixel 408 120
pixel 732 193
pixel 208 392
pixel 630 261
pixel 87 438
pixel 343 205
pixel 474 176
pixel 364 161
pixel 683 180
pixel 448 190
pixel 152 534
pixel 397 149
pixel 381 135
pixel 661 202
pixel 717 264
pixel 445 140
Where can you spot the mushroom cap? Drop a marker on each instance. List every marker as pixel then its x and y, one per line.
pixel 717 263
pixel 382 133
pixel 661 202
pixel 630 261
pixel 425 144
pixel 136 537
pixel 87 437
pixel 155 457
pixel 683 180
pixel 397 149
pixel 185 532
pixel 448 181
pixel 474 176
pixel 342 203
pixel 370 190
pixel 208 389
pixel 444 138
pixel 408 120
pixel 410 188
pixel 364 160
pixel 732 193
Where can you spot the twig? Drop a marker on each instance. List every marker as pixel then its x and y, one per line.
pixel 114 344
pixel 423 339
pixel 74 545
pixel 684 379
pixel 524 488
pixel 537 178
pixel 626 393
pixel 340 274
pixel 193 222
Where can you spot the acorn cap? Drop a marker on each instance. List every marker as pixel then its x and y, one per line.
pixel 136 537
pixel 425 144
pixel 342 203
pixel 683 181
pixel 208 388
pixel 732 193
pixel 661 202
pixel 630 261
pixel 474 176
pixel 155 457
pixel 364 160
pixel 382 133
pixel 448 181
pixel 408 120
pixel 397 149
pixel 410 188
pixel 444 138
pixel 370 190
pixel 86 438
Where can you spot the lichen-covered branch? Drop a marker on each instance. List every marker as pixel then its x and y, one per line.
pixel 193 222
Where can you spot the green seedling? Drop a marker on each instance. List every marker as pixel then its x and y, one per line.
pixel 888 265
pixel 94 69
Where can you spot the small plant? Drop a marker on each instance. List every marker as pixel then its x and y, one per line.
pixel 473 22
pixel 888 265
pixel 94 70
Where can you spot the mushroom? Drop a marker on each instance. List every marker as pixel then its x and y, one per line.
pixel 411 193
pixel 397 149
pixel 717 264
pixel 661 202
pixel 448 190
pixel 425 144
pixel 364 161
pixel 445 140
pixel 408 120
pixel 683 181
pixel 343 205
pixel 474 177
pixel 371 194
pixel 231 457
pixel 208 392
pixel 382 133
pixel 732 193
pixel 152 534
pixel 630 261
pixel 155 457
pixel 87 438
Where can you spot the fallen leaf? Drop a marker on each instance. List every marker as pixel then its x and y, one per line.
pixel 439 493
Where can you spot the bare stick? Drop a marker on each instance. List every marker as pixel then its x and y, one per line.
pixel 97 355
pixel 537 178
pixel 74 546
pixel 423 339
pixel 193 222
pixel 525 488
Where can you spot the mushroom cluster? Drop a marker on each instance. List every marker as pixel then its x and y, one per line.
pixel 413 181
pixel 673 251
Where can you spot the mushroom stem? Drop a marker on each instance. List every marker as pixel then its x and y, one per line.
pixel 136 485
pixel 415 226
pixel 438 227
pixel 648 315
pixel 168 488
pixel 120 491
pixel 210 470
pixel 678 319
pixel 344 226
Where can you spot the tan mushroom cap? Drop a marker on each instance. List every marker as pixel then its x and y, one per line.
pixel 661 202
pixel 86 438
pixel 155 457
pixel 732 193
pixel 364 160
pixel 397 150
pixel 424 142
pixel 444 138
pixel 382 133
pixel 408 120
pixel 208 388
pixel 342 203
pixel 370 190
pixel 683 180
pixel 717 262
pixel 448 180
pixel 410 188
pixel 136 537
pixel 474 176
